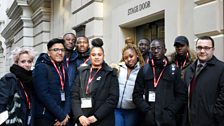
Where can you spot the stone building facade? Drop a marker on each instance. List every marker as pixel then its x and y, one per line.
pixel 32 23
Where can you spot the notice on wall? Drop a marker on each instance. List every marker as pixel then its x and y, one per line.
pixel 139 7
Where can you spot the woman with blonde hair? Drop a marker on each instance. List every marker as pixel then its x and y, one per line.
pixel 131 62
pixel 15 89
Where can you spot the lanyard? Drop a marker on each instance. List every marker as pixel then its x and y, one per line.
pixel 60 76
pixel 183 63
pixel 86 60
pixel 147 60
pixel 154 72
pixel 91 78
pixel 67 62
pixel 27 98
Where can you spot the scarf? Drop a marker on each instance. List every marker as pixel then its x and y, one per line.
pixel 83 55
pixel 23 75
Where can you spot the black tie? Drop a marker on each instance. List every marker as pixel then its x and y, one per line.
pixel 198 69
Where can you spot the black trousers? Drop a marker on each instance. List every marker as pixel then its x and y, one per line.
pixel 43 122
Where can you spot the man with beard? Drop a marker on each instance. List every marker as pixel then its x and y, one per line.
pixel 159 91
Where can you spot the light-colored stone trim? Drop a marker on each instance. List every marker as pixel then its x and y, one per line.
pixel 85 5
pixel 199 2
pixel 42 14
pixel 87 21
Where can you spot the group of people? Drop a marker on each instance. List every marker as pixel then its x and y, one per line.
pixel 146 88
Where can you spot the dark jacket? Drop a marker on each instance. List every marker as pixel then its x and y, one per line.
pixel 8 86
pixel 72 69
pixel 82 58
pixel 47 87
pixel 170 96
pixel 207 100
pixel 173 58
pixel 13 98
pixel 104 93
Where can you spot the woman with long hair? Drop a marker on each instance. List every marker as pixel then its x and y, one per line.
pixel 126 113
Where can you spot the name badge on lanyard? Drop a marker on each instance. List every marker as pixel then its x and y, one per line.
pixel 29 119
pixel 86 102
pixel 61 76
pixel 62 96
pixel 152 96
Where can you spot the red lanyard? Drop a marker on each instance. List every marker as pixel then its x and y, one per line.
pixel 91 78
pixel 183 63
pixel 147 60
pixel 86 60
pixel 27 98
pixel 154 72
pixel 67 62
pixel 60 76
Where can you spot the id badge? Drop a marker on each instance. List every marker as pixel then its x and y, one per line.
pixel 152 96
pixel 62 96
pixel 86 103
pixel 28 120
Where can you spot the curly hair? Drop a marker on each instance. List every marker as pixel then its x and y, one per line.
pixel 136 49
pixel 98 42
pixel 24 50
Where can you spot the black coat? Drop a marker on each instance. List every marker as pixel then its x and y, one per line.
pixel 170 92
pixel 12 93
pixel 47 96
pixel 207 100
pixel 104 93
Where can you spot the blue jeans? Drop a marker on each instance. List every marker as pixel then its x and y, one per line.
pixel 126 117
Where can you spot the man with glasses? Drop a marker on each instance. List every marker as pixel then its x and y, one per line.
pixel 205 81
pixel 159 91
pixel 50 81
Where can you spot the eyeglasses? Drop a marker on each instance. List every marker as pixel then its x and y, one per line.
pixel 206 48
pixel 57 50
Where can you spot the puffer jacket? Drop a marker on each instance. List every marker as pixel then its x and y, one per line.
pixel 126 86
